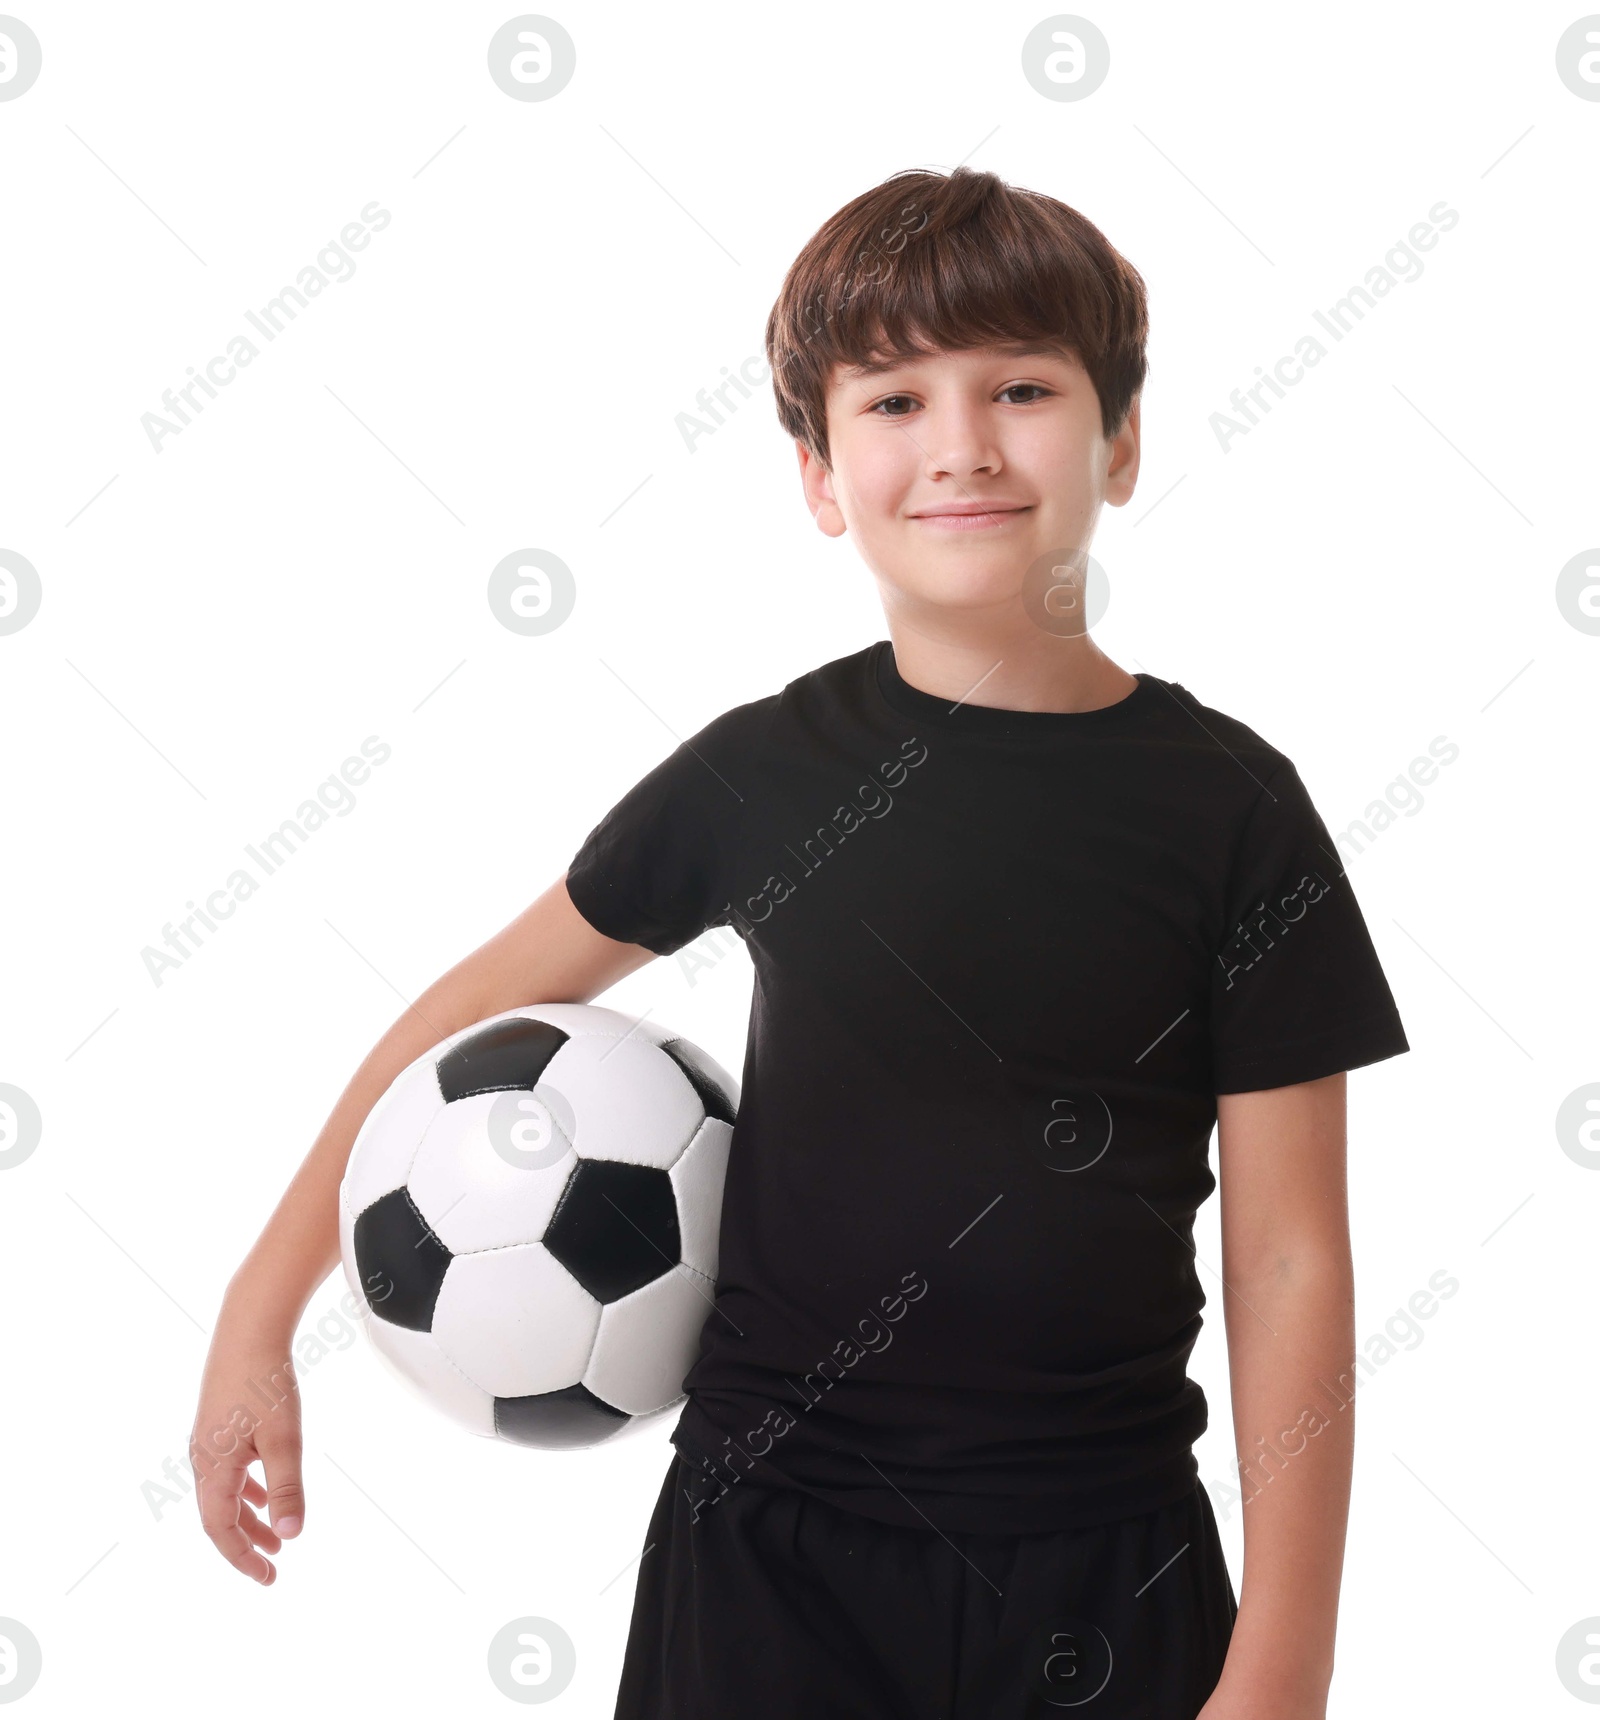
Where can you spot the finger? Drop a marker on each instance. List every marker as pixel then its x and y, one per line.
pixel 262 1534
pixel 218 1490
pixel 280 1459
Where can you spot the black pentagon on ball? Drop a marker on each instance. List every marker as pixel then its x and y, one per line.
pixel 504 1057
pixel 400 1260
pixel 573 1416
pixel 615 1227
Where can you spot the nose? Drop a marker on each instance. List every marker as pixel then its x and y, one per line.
pixel 957 440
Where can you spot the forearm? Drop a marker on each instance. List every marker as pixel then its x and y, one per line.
pixel 1291 1336
pixel 548 954
pixel 299 1245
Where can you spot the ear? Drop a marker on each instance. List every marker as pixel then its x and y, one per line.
pixel 817 483
pixel 1123 471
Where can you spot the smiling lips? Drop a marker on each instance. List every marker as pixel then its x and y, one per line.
pixel 970 516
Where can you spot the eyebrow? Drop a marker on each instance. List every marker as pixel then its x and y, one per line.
pixel 1003 349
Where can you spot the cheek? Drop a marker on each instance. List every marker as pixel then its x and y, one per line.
pixel 1070 491
pixel 1054 450
pixel 875 473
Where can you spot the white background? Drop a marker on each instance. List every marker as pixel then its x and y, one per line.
pixel 224 621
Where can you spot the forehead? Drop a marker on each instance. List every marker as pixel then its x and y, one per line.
pixel 879 364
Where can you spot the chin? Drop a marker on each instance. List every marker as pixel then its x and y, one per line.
pixel 961 591
pixel 962 582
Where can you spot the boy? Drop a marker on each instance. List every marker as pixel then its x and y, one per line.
pixel 1024 927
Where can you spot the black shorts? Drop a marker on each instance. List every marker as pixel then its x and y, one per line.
pixel 771 1604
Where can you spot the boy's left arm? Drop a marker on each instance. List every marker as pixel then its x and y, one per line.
pixel 1288 1308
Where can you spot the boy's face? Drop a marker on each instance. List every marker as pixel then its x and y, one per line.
pixel 956 473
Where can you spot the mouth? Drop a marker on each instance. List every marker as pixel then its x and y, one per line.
pixel 972 517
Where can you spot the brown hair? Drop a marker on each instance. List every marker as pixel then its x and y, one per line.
pixel 931 262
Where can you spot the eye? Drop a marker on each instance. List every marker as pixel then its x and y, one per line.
pixel 889 400
pixel 1038 388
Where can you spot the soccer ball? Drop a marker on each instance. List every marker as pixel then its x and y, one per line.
pixel 530 1216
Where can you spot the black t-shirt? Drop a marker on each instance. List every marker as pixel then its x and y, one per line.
pixel 1004 963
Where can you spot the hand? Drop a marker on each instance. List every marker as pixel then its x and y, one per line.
pixel 248 1370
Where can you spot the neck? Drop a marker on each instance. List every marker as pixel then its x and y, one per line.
pixel 1021 670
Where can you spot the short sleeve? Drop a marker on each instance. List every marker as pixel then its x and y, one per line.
pixel 1297 988
pixel 657 869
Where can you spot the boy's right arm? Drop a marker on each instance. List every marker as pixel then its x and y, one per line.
pixel 548 954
